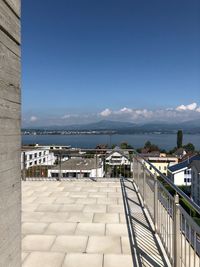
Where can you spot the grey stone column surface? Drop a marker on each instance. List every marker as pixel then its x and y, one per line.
pixel 10 134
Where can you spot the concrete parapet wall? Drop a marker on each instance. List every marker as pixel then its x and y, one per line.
pixel 10 134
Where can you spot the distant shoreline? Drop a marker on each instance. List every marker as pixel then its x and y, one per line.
pixel 105 133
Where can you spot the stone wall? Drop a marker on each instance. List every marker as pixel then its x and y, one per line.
pixel 10 138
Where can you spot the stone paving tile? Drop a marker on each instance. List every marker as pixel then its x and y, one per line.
pixel 72 222
pixel 107 201
pixel 90 229
pixel 117 194
pixel 98 195
pixel 125 245
pixel 55 217
pixel 115 208
pixel 83 260
pixel 95 208
pixel 39 194
pixel 107 189
pixel 122 218
pixel 70 244
pixel 66 200
pixel 104 244
pixel 78 195
pixel 113 260
pixel 47 200
pixel 33 228
pixel 28 200
pixel 75 216
pixel 29 207
pixel 44 259
pixel 61 229
pixel 90 190
pixel 58 194
pixel 116 229
pixel 31 216
pixel 106 218
pixel 71 207
pixel 37 242
pixel 72 188
pixel 24 255
pixel 86 200
pixel 48 207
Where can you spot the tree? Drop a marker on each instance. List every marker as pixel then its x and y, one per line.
pixel 179 138
pixel 125 145
pixel 151 147
pixel 147 144
pixel 189 147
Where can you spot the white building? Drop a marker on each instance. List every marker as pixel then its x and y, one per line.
pixel 34 157
pixel 180 173
pixel 116 158
pixel 78 168
pixel 195 188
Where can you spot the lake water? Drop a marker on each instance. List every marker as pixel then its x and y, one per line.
pixel 164 141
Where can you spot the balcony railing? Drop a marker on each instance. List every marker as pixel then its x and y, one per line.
pixel 176 228
pixel 178 231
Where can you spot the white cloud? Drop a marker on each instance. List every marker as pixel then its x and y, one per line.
pixel 125 110
pixel 33 118
pixel 190 107
pixel 69 116
pixel 106 112
pixel 182 113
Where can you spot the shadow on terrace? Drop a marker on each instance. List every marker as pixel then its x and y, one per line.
pixel 144 245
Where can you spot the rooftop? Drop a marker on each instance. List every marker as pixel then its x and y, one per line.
pixel 184 164
pixel 79 164
pixel 84 223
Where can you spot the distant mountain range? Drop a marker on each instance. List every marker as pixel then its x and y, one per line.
pixel 128 127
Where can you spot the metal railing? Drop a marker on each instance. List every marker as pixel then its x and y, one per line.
pixel 178 231
pixel 75 163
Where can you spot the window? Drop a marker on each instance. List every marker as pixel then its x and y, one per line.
pixel 35 155
pixel 44 159
pixel 40 154
pixel 35 162
pixel 30 156
pixel 54 174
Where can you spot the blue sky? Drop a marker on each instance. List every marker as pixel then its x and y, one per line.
pixel 134 60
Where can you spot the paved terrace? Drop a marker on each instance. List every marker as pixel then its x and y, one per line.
pixel 82 223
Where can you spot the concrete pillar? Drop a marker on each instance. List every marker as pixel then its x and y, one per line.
pixel 10 134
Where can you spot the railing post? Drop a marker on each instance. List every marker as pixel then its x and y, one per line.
pixel 24 166
pixel 176 231
pixel 59 162
pixel 144 187
pixel 155 202
pixel 96 163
